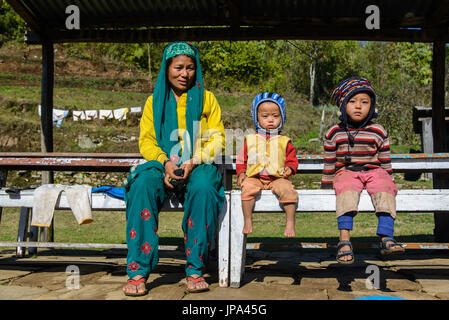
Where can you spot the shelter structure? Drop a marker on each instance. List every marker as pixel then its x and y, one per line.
pixel 137 21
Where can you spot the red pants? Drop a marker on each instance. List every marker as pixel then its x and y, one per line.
pixel 378 183
pixel 281 187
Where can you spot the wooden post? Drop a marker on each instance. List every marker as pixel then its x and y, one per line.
pixel 23 228
pixel 440 180
pixel 427 140
pixel 237 250
pixel 46 234
pixel 223 243
pixel 3 175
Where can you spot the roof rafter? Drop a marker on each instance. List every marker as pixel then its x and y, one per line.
pixel 169 20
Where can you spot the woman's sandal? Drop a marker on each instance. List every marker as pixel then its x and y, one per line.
pixel 195 281
pixel 386 249
pixel 344 253
pixel 136 283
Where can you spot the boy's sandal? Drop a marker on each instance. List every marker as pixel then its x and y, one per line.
pixel 341 254
pixel 394 247
pixel 136 283
pixel 194 281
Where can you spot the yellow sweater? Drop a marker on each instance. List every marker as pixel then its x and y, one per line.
pixel 209 144
pixel 266 156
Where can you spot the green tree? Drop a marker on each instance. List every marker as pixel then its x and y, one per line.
pixel 401 74
pixel 234 65
pixel 314 67
pixel 12 25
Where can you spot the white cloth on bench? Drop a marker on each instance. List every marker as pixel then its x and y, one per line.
pixel 45 199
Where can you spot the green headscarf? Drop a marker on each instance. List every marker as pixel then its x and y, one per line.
pixel 165 116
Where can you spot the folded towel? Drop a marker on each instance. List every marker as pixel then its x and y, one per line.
pixel 45 199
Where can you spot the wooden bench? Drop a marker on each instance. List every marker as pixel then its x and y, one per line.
pixel 36 161
pixel 231 242
pixel 89 162
pixel 27 235
pixel 416 200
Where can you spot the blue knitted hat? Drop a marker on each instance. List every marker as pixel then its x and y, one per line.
pixel 272 97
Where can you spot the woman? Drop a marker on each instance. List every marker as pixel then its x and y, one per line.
pixel 181 128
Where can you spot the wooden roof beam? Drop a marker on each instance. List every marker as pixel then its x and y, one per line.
pixel 25 13
pixel 241 34
pixel 437 18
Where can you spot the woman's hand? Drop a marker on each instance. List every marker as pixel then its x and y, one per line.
pixel 240 178
pixel 287 172
pixel 170 167
pixel 188 167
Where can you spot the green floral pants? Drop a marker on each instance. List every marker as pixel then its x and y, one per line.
pixel 144 195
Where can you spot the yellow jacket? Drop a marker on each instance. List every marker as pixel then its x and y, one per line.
pixel 209 144
pixel 266 155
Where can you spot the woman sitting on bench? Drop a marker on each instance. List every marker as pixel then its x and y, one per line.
pixel 169 140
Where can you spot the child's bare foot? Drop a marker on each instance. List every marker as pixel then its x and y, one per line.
pixel 247 228
pixel 289 230
pixel 247 208
pixel 290 220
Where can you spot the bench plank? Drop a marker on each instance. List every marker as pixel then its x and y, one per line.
pixel 75 245
pixel 104 202
pixel 231 242
pixel 70 161
pixel 99 201
pixel 413 200
pixel 410 162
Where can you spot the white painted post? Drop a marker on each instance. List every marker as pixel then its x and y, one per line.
pixel 238 240
pixel 427 140
pixel 223 243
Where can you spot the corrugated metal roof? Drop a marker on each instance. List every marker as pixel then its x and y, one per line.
pixel 238 20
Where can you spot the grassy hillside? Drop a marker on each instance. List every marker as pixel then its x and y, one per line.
pixel 83 84
pixel 94 84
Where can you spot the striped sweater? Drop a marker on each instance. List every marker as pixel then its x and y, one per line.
pixel 371 149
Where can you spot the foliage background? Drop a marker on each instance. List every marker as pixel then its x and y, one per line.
pixel 235 71
pixel 400 71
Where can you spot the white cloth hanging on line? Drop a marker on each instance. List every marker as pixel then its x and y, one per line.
pixel 78 115
pixel 120 114
pixel 106 114
pixel 91 114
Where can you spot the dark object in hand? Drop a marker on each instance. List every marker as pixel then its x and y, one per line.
pixel 178 185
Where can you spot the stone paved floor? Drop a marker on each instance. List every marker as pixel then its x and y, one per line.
pixel 314 275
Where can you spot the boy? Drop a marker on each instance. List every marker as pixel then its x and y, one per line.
pixel 357 156
pixel 267 159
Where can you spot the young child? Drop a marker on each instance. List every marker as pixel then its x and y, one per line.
pixel 267 159
pixel 357 156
